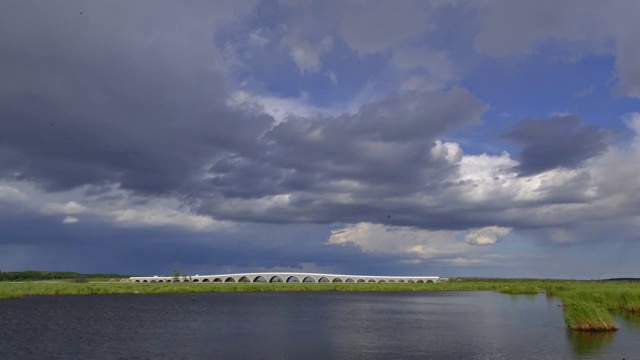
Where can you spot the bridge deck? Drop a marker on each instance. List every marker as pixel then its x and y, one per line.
pixel 286 277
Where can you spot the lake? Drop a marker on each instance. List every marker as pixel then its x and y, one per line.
pixel 302 325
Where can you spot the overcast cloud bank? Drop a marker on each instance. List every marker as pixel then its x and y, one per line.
pixel 248 136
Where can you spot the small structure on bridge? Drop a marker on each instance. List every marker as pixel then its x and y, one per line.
pixel 287 277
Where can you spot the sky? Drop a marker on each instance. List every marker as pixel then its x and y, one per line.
pixel 444 138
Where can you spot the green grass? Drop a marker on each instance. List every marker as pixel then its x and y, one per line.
pixel 588 316
pixel 21 289
pixel 588 305
pixel 591 306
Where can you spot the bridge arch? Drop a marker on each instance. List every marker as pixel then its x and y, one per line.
pixel 287 277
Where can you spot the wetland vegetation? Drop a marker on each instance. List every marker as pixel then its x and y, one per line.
pixel 587 305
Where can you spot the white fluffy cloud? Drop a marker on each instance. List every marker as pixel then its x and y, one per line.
pixel 70 220
pixel 487 235
pixel 414 245
pixel 449 151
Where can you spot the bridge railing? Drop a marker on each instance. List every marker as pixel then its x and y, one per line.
pixel 288 277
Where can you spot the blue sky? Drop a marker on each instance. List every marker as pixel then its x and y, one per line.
pixel 451 138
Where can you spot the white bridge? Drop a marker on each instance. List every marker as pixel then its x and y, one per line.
pixel 286 277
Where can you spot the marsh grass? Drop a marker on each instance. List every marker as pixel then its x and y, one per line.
pixel 584 305
pixel 587 305
pixel 588 316
pixel 21 289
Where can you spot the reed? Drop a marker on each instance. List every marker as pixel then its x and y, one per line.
pixel 588 316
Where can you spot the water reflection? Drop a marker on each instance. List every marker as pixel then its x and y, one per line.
pixel 439 325
pixel 590 343
pixel 530 298
pixel 631 320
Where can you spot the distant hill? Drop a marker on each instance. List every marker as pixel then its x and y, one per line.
pixel 52 275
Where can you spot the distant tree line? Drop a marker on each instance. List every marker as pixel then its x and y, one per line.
pixel 52 275
pixel 623 279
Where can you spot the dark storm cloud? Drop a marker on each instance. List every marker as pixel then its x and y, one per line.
pixel 130 101
pixel 381 152
pixel 559 141
pixel 416 116
pixel 30 241
pixel 106 97
pixel 386 144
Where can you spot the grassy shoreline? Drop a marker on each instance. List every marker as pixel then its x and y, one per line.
pixel 587 305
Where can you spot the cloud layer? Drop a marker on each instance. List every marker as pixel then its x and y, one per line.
pixel 376 127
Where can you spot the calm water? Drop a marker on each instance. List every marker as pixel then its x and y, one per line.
pixel 452 325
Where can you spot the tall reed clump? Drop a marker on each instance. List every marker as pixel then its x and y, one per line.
pixel 626 300
pixel 616 298
pixel 588 316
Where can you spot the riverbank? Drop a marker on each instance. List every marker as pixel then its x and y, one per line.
pixel 588 305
